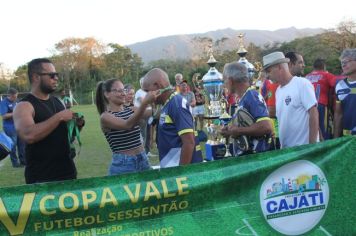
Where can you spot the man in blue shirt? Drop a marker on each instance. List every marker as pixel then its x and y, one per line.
pixel 7 106
pixel 259 133
pixel 345 115
pixel 176 140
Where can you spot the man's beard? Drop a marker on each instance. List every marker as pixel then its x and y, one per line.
pixel 45 88
pixel 300 73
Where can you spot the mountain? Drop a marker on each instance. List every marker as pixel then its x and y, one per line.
pixel 185 46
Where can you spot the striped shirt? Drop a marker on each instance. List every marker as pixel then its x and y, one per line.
pixel 124 140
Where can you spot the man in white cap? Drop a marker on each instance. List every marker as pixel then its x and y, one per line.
pixel 296 104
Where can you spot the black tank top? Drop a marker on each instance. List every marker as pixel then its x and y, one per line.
pixel 48 159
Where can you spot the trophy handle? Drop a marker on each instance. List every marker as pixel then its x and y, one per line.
pixel 224 104
pixel 196 80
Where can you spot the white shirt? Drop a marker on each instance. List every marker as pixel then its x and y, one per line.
pixel 293 102
pixel 139 95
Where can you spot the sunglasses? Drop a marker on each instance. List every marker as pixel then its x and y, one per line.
pixel 52 75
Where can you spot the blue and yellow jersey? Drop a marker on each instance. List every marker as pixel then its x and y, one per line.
pixel 346 95
pixel 254 103
pixel 175 120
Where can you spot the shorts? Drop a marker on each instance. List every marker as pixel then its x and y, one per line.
pixel 198 110
pixel 122 163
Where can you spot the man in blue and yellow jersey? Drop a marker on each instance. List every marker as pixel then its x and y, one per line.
pixel 345 115
pixel 176 141
pixel 258 131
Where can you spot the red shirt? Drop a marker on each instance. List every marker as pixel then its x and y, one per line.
pixel 268 91
pixel 323 82
pixel 231 99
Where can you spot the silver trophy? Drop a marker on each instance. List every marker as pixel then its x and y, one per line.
pixel 213 85
pixel 242 52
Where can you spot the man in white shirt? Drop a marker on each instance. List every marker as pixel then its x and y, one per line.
pixel 296 104
pixel 144 127
pixel 139 95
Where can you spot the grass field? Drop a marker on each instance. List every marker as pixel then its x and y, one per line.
pixel 93 160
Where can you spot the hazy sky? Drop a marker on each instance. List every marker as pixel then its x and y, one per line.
pixel 30 28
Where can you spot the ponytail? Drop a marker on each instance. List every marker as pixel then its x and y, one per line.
pixel 99 98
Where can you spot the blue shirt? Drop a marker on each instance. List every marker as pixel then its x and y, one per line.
pixel 7 106
pixel 254 103
pixel 346 95
pixel 175 119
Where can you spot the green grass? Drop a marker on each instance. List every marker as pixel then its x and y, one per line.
pixel 93 160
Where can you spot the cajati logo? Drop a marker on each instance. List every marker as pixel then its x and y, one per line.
pixel 294 197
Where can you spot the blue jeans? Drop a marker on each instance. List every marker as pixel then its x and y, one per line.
pixel 122 163
pixel 20 147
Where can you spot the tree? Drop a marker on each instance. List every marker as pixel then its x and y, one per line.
pixel 347 34
pixel 17 79
pixel 121 63
pixel 328 46
pixel 80 62
pixel 21 81
pixel 76 57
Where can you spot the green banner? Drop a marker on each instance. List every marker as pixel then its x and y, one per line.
pixel 303 190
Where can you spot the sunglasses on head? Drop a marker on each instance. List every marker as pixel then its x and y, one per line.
pixel 52 75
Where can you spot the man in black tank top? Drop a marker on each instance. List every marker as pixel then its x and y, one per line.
pixel 40 120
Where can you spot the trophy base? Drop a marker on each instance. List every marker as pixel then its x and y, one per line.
pixel 211 117
pixel 216 151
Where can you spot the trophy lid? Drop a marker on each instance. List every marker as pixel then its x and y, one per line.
pixel 213 75
pixel 212 62
pixel 242 52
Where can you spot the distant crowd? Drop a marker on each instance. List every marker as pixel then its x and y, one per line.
pixel 283 108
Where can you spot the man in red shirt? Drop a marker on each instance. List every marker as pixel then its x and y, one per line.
pixel 268 92
pixel 324 83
